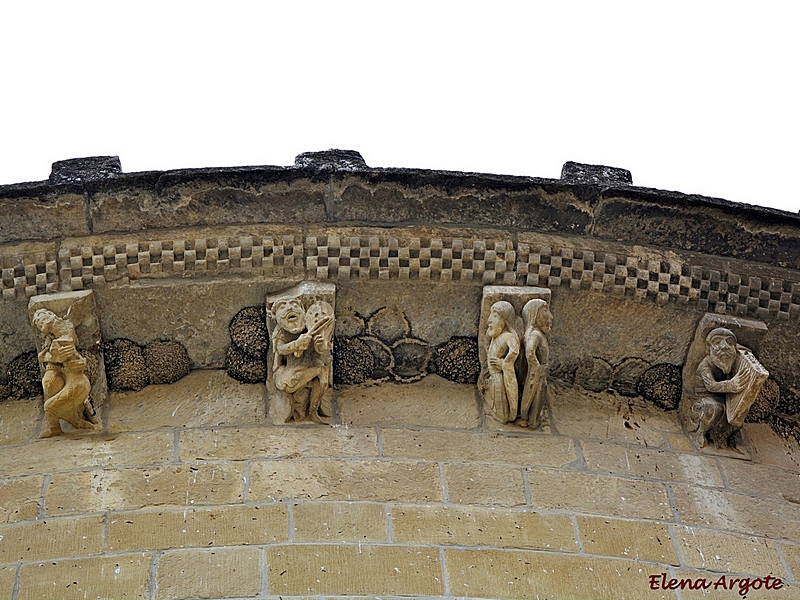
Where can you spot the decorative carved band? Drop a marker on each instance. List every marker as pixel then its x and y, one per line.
pixel 395 254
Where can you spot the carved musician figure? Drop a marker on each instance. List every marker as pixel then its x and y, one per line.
pixel 302 344
pixel 727 383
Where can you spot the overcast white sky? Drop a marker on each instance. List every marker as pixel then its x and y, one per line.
pixel 700 97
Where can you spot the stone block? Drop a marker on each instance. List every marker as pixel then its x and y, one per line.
pixel 379 480
pixel 8 578
pixel 477 526
pixel 81 310
pixel 432 402
pixel 18 420
pixel 243 443
pixel 219 198
pixel 520 574
pixel 202 527
pixel 580 413
pixel 20 498
pixel 759 479
pixel 599 495
pixel 51 538
pixel 123 489
pixel 339 522
pixel 217 573
pixel 202 398
pixel 536 450
pixel 41 214
pixel 493 485
pixel 729 553
pixel 353 570
pixel 150 448
pixel 735 512
pixel 651 464
pixel 638 540
pixel 120 576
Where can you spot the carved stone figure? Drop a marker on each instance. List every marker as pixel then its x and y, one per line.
pixel 65 384
pixel 727 382
pixel 538 322
pixel 498 380
pixel 301 345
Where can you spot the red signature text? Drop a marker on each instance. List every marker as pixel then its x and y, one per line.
pixel 740 584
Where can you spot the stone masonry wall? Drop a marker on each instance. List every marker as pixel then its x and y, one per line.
pixel 189 493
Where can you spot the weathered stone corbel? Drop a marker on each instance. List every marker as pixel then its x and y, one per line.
pixel 300 322
pixel 69 342
pixel 721 378
pixel 514 353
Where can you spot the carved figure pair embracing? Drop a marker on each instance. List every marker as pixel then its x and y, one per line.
pixel 508 337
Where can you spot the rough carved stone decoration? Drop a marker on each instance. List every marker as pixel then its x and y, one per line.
pixel 66 386
pixel 721 379
pixel 538 322
pixel 300 322
pixel 502 337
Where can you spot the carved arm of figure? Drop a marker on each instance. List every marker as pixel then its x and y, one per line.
pixel 727 386
pixel 296 347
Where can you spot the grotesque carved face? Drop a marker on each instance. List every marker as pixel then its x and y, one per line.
pixel 545 320
pixel 722 347
pixel 291 316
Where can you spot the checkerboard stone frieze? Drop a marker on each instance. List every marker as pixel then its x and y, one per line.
pixel 662 281
pixel 336 258
pixel 413 258
pixel 82 267
pixel 27 274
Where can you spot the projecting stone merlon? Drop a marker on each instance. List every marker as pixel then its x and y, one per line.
pixel 346 160
pixel 595 174
pixel 91 168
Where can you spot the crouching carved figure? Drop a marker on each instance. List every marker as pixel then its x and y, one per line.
pixel 726 383
pixel 65 384
pixel 301 345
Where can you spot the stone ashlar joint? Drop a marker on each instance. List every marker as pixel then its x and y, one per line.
pixel 595 174
pixel 91 168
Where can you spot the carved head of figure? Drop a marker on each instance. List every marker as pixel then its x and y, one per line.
pixel 722 348
pixel 290 315
pixel 44 320
pixel 501 318
pixel 537 314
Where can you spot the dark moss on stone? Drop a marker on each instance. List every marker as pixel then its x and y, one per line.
pixel 626 376
pixel 248 330
pixel 166 361
pixel 766 403
pixel 785 426
pixel 383 358
pixel 353 361
pixel 457 360
pixel 125 365
pixel 594 374
pixel 388 325
pixel 789 403
pixel 243 367
pixel 410 360
pixel 662 385
pixel 23 377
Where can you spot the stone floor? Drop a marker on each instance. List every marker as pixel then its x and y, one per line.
pixel 187 492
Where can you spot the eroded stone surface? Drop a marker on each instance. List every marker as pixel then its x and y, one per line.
pixel 201 398
pixel 18 420
pixel 432 402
